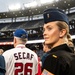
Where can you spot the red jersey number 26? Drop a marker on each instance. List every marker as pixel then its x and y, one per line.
pixel 20 68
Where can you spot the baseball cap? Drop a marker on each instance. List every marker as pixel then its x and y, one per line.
pixel 55 15
pixel 21 33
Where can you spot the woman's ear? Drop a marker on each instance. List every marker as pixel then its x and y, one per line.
pixel 62 32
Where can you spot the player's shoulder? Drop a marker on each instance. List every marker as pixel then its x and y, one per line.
pixel 9 51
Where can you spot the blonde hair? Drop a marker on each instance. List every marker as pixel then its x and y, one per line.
pixel 69 37
pixel 63 25
pixel 70 41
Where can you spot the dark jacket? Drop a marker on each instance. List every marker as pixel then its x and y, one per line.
pixel 2 65
pixel 60 61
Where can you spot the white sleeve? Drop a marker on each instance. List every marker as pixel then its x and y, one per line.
pixel 6 56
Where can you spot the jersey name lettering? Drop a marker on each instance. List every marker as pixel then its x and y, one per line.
pixel 23 55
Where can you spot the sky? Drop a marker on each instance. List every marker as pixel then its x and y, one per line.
pixel 4 4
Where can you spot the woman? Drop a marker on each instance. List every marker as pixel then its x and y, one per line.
pixel 60 59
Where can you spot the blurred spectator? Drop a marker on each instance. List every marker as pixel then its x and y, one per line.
pixel 1 51
pixel 46 47
pixel 2 65
pixel 34 48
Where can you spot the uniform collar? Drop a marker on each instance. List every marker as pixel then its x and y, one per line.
pixel 20 46
pixel 61 47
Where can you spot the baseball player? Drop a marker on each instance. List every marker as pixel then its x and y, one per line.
pixel 20 60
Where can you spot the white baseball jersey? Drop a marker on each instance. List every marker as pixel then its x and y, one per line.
pixel 21 61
